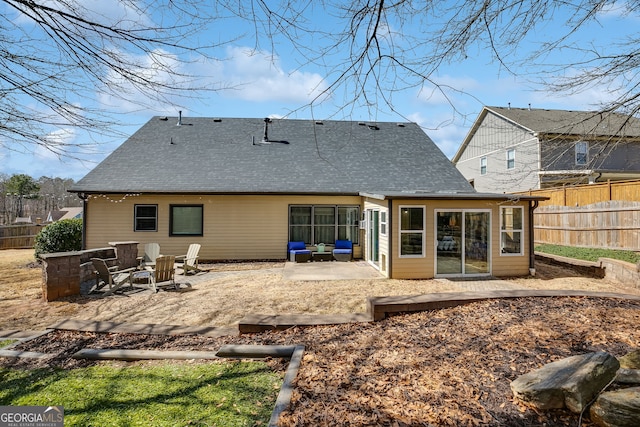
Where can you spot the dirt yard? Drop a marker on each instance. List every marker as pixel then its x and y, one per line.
pixel 450 367
pixel 227 292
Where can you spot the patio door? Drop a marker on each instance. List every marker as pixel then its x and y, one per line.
pixel 462 243
pixel 373 237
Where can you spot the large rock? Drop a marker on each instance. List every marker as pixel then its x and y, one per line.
pixel 628 376
pixel 620 408
pixel 630 360
pixel 572 382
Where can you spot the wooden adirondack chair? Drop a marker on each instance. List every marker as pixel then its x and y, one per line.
pixel 189 262
pixel 111 277
pixel 151 252
pixel 164 272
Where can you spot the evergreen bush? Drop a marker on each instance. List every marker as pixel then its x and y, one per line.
pixel 61 236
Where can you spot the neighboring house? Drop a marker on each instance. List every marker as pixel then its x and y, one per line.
pixel 64 213
pixel 518 149
pixel 23 220
pixel 243 188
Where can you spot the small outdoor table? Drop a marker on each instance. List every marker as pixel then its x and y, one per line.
pixel 321 256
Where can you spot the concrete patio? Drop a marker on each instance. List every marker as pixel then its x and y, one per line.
pixel 329 270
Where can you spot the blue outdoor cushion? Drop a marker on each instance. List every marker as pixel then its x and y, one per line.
pixel 343 244
pixel 292 246
pixel 342 251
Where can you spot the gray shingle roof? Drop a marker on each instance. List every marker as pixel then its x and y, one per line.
pixel 205 155
pixel 571 122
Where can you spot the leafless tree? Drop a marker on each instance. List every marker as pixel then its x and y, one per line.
pixel 368 50
pixel 56 56
pixel 378 47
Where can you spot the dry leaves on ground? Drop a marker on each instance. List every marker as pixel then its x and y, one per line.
pixel 450 367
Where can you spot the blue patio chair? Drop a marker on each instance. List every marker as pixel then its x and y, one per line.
pixel 343 250
pixel 298 252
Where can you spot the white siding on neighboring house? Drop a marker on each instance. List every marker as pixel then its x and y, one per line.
pixel 492 140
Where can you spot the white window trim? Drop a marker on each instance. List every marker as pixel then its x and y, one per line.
pixel 511 150
pixel 483 165
pixel 489 242
pixel 383 223
pixel 423 231
pixel 521 231
pixel 586 153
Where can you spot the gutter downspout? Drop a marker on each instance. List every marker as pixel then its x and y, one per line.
pixel 85 206
pixel 532 255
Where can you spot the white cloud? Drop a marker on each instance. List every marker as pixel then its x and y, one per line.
pixel 158 66
pixel 258 76
pixel 58 142
pixel 443 129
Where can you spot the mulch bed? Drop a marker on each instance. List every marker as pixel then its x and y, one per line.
pixel 450 367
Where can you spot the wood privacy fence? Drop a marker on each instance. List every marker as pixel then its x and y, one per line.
pixel 611 225
pixel 602 215
pixel 588 194
pixel 18 236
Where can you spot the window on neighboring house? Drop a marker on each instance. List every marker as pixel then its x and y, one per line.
pixel 145 218
pixel 582 153
pixel 412 231
pixel 511 222
pixel 511 159
pixel 315 224
pixel 186 220
pixel 483 165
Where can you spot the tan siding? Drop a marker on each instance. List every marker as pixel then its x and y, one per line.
pixel 412 268
pixel 415 268
pixel 235 227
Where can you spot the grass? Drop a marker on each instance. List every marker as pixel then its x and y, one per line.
pixel 212 394
pixel 7 342
pixel 589 254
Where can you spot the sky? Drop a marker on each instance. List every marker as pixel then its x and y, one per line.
pixel 263 83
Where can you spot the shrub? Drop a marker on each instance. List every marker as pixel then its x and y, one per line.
pixel 61 236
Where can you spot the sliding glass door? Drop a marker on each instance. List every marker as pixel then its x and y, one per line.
pixel 462 246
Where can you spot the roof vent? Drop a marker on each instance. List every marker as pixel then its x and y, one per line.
pixel 179 118
pixel 400 125
pixel 265 137
pixel 362 124
pixel 319 122
pixel 373 127
pixel 164 119
pixel 217 119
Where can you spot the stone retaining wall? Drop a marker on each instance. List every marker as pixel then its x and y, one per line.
pixel 611 269
pixel 621 271
pixel 63 272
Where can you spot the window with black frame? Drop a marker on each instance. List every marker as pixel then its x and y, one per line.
pixel 145 218
pixel 315 224
pixel 186 220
